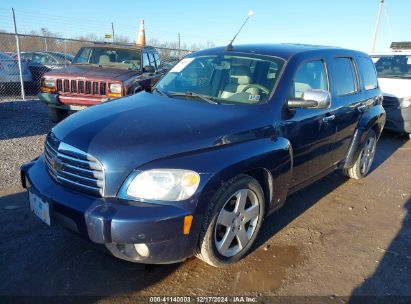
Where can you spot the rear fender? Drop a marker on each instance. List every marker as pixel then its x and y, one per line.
pixel 374 119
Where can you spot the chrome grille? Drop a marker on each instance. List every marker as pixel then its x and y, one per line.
pixel 73 168
pixel 59 85
pixel 81 87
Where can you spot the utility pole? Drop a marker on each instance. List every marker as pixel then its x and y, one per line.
pixel 45 34
pixel 377 26
pixel 179 46
pixel 112 30
pixel 18 57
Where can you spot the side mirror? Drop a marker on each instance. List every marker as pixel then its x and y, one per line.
pixel 312 99
pixel 149 69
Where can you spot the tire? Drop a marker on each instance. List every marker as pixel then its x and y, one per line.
pixel 365 159
pixel 56 115
pixel 219 245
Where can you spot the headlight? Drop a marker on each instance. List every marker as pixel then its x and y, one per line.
pixel 405 102
pixel 49 82
pixel 115 88
pixel 164 185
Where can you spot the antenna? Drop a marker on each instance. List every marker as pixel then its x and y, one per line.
pixel 229 47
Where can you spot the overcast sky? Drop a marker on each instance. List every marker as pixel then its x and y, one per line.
pixel 348 23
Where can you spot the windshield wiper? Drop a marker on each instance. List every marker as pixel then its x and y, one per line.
pixel 160 92
pixel 192 94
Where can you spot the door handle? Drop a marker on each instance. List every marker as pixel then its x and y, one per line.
pixel 329 118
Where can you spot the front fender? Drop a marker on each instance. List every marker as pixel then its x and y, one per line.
pixel 218 165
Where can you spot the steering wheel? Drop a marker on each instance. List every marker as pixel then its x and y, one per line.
pixel 257 86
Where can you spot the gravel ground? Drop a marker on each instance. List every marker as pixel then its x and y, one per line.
pixel 338 237
pixel 23 126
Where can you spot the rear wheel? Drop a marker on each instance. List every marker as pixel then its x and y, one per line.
pixel 232 222
pixel 56 115
pixel 365 159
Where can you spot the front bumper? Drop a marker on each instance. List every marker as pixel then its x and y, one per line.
pixel 117 223
pixel 399 119
pixel 64 102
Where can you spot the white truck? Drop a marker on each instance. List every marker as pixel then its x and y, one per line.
pixel 394 77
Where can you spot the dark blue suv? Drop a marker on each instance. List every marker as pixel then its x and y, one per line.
pixel 193 166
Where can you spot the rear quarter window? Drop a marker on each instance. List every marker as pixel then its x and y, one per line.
pixel 368 73
pixel 345 76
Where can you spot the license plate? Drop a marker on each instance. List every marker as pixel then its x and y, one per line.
pixel 40 208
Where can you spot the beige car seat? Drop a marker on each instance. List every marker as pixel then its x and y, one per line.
pixel 104 59
pixel 240 77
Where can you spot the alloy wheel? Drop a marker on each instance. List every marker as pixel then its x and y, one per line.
pixel 237 222
pixel 367 155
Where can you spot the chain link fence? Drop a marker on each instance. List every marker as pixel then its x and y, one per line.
pixel 41 54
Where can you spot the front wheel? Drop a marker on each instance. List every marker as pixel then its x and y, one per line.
pixel 232 223
pixel 365 159
pixel 56 115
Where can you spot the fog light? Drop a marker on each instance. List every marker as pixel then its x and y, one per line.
pixel 142 250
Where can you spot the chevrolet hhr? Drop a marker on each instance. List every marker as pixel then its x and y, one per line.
pixel 192 166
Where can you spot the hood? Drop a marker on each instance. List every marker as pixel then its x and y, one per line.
pixel 395 87
pixel 91 71
pixel 127 133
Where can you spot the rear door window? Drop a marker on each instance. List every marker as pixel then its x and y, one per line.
pixel 345 76
pixel 368 72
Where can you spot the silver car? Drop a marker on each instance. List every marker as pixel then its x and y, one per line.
pixel 9 70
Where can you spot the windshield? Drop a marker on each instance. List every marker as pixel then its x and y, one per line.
pixel 109 57
pixel 393 66
pixel 235 78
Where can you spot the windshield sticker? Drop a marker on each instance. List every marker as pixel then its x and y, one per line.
pixel 181 65
pixel 254 98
